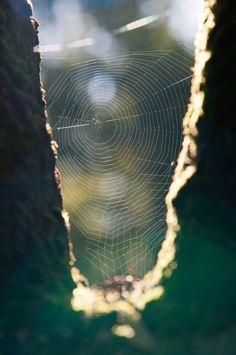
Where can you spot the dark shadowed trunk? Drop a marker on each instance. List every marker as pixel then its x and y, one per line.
pixel 34 268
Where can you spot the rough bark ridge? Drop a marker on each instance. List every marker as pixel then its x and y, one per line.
pixel 34 267
pixel 207 202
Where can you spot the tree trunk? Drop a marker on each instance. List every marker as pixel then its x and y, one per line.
pixel 34 262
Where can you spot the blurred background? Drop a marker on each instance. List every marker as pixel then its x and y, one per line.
pixel 103 61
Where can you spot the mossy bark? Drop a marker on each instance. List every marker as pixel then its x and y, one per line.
pixel 197 313
pixel 207 202
pixel 34 268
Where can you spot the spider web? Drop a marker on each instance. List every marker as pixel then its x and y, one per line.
pixel 118 124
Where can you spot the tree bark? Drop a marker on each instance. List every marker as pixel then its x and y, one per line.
pixel 34 261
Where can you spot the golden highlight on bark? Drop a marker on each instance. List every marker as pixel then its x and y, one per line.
pixel 93 300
